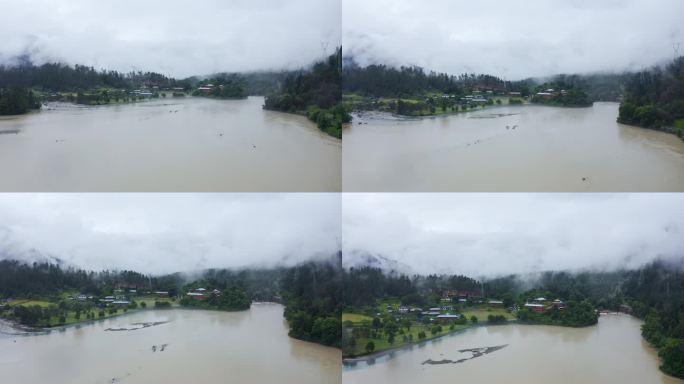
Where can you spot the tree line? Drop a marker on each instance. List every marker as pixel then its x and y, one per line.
pixel 378 80
pixel 67 78
pixel 15 100
pixel 313 301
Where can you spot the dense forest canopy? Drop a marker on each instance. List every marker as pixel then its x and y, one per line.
pixel 316 92
pixel 67 78
pixel 16 100
pixel 378 80
pixel 313 293
pixel 387 81
pixel 654 98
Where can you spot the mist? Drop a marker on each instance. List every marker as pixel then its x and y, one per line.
pixel 173 37
pixel 513 39
pixel 166 233
pixel 489 235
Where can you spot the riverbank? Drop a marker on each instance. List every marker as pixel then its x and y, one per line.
pixel 201 346
pixel 677 129
pixel 8 325
pixel 325 119
pixel 408 345
pixel 611 352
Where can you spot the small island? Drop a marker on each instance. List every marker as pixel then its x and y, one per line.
pixel 561 94
pixel 226 299
pixel 223 87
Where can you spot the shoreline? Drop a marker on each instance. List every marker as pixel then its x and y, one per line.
pixel 350 361
pixel 374 355
pixel 669 129
pixel 29 330
pixel 397 116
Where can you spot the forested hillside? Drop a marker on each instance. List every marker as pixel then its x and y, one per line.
pixel 317 93
pixel 655 98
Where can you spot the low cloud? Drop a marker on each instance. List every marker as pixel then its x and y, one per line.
pixel 163 233
pixel 174 37
pixel 513 39
pixel 496 234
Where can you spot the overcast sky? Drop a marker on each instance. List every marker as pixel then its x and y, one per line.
pixel 513 39
pixel 174 37
pixel 161 233
pixel 493 234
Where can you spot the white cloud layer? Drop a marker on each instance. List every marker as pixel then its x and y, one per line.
pixel 175 37
pixel 495 234
pixel 162 233
pixel 513 39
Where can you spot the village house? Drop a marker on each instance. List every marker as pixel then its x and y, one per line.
pixel 120 303
pixel 558 304
pixel 447 318
pixel 535 307
pixel 197 294
pixel 545 95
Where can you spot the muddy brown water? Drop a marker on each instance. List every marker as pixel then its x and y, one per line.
pixel 201 347
pixel 611 352
pixel 550 149
pixel 172 144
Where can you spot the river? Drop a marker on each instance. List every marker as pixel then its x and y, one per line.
pixel 172 144
pixel 201 347
pixel 611 352
pixel 550 149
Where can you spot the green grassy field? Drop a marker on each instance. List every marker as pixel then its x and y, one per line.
pixel 70 317
pixel 483 312
pixel 28 303
pixel 383 306
pixel 355 317
pixel 383 104
pixel 382 344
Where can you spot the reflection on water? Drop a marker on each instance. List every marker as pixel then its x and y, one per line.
pixel 189 144
pixel 611 352
pixel 511 148
pixel 201 347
